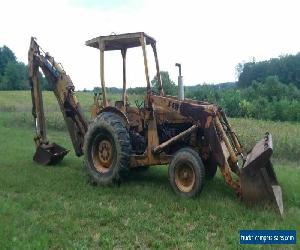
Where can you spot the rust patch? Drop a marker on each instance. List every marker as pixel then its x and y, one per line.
pixel 211 136
pixel 208 121
pixel 196 112
pixel 199 113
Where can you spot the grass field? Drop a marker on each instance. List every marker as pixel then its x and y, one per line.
pixel 56 207
pixel 16 106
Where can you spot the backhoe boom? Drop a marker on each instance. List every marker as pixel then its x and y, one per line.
pixel 63 88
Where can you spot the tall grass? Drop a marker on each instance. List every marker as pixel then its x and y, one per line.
pixel 286 139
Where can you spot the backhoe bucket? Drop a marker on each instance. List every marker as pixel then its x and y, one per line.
pixel 258 179
pixel 49 154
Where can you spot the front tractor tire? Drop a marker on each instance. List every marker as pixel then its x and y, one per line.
pixel 107 149
pixel 186 173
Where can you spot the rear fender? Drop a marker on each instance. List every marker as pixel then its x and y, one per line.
pixel 117 112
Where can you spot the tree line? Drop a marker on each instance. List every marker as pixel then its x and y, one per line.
pixel 269 99
pixel 14 74
pixel 267 90
pixel 286 68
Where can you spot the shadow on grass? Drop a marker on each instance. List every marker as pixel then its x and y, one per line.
pixel 158 176
pixel 144 185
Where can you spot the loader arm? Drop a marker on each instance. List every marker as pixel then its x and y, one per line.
pixel 250 174
pixel 256 179
pixel 63 88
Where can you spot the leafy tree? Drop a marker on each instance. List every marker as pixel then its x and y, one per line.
pixel 286 68
pixel 246 109
pixel 97 90
pixel 269 99
pixel 204 93
pixel 169 86
pixel 137 91
pixel 239 69
pixel 6 56
pixel 14 77
pixel 231 102
pixel 14 74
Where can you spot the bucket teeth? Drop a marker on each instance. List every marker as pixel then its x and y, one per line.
pixel 278 198
pixel 260 153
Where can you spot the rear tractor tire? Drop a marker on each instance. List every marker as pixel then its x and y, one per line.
pixel 186 173
pixel 107 149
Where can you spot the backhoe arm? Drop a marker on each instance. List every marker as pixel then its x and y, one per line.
pixel 63 88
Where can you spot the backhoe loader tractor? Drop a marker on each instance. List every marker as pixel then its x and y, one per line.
pixel 192 138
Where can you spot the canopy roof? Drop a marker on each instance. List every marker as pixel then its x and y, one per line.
pixel 119 42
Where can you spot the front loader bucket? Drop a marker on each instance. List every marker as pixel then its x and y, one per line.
pixel 258 179
pixel 49 154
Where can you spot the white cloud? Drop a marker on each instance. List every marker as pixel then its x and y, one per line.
pixel 208 37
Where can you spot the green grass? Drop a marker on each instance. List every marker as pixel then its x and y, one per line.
pixel 56 207
pixel 18 106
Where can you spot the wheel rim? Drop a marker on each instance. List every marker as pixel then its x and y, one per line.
pixel 103 154
pixel 185 177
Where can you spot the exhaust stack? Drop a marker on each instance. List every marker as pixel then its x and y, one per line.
pixel 180 83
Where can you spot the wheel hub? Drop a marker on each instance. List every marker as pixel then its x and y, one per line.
pixel 105 151
pixel 185 178
pixel 103 155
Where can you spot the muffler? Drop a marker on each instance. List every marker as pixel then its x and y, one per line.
pixel 49 154
pixel 258 179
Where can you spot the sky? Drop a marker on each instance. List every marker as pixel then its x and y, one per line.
pixel 209 38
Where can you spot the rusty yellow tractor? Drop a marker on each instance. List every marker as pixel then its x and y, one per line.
pixel 191 138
